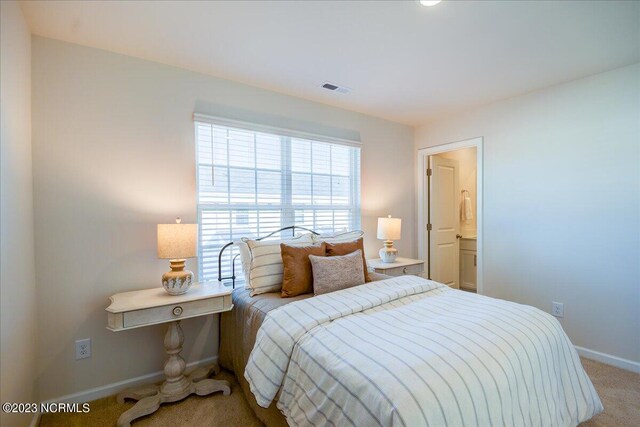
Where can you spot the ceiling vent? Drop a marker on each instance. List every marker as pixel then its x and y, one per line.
pixel 335 88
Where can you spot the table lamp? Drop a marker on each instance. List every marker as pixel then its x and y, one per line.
pixel 177 242
pixel 389 230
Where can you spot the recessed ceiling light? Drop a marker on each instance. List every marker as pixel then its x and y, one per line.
pixel 429 2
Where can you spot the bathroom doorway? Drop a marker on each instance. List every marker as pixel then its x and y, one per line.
pixel 450 213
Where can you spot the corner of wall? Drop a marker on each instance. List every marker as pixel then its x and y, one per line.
pixel 18 323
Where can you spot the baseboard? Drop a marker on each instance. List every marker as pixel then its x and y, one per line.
pixel 609 359
pixel 113 388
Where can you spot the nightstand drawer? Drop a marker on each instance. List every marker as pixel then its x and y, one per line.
pixel 172 312
pixel 400 267
pixel 401 271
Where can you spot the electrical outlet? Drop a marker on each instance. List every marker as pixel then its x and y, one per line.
pixel 557 309
pixel 83 348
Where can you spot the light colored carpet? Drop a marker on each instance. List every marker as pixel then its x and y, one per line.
pixel 618 389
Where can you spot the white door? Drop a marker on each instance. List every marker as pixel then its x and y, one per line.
pixel 444 217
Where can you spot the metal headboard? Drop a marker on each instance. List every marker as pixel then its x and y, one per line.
pixel 293 229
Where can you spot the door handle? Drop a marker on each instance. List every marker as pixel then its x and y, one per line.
pixel 458 236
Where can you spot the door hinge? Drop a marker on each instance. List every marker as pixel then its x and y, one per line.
pixel 428 227
pixel 429 172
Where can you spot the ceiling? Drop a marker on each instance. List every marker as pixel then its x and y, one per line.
pixel 403 61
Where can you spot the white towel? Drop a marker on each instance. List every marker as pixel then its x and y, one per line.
pixel 467 208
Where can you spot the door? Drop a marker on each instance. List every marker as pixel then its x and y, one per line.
pixel 444 219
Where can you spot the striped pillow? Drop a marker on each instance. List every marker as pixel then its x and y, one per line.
pixel 347 236
pixel 262 263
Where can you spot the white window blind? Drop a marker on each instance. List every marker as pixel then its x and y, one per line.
pixel 253 183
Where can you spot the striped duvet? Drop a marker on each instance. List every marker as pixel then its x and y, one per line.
pixel 410 352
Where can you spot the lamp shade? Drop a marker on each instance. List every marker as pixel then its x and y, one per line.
pixel 177 241
pixel 389 228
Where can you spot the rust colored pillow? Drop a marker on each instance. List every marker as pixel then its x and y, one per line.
pixel 297 277
pixel 347 248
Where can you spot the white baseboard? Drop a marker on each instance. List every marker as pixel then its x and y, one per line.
pixel 113 388
pixel 609 359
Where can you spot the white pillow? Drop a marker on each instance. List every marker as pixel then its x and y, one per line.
pixel 245 258
pixel 262 262
pixel 347 236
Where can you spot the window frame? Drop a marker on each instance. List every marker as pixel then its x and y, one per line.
pixel 285 206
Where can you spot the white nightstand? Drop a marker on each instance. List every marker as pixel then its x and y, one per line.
pixel 400 267
pixel 137 309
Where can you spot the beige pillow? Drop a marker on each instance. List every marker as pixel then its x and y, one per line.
pixel 297 278
pixel 336 272
pixel 262 263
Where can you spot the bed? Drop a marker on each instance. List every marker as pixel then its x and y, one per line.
pixel 238 330
pixel 403 351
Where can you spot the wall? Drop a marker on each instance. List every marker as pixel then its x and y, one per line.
pixel 113 142
pixel 17 278
pixel 561 203
pixel 468 166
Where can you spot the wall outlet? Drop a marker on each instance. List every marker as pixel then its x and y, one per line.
pixel 557 309
pixel 83 348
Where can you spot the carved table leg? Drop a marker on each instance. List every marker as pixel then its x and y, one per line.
pixel 209 386
pixel 137 393
pixel 204 372
pixel 145 406
pixel 176 387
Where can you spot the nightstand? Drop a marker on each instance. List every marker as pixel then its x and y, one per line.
pixel 400 267
pixel 137 309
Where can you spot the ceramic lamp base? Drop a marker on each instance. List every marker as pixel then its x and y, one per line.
pixel 388 253
pixel 178 280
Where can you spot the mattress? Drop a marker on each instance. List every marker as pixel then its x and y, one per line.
pixel 238 330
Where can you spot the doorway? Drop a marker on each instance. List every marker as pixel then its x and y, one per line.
pixel 450 213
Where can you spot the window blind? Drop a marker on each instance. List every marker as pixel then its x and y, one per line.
pixel 251 183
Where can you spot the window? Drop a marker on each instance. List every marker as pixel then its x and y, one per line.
pixel 251 183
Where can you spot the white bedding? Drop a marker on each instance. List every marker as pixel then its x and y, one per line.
pixel 410 352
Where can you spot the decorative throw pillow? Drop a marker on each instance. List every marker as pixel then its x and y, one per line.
pixel 262 262
pixel 345 248
pixel 245 259
pixel 337 272
pixel 297 278
pixel 341 237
